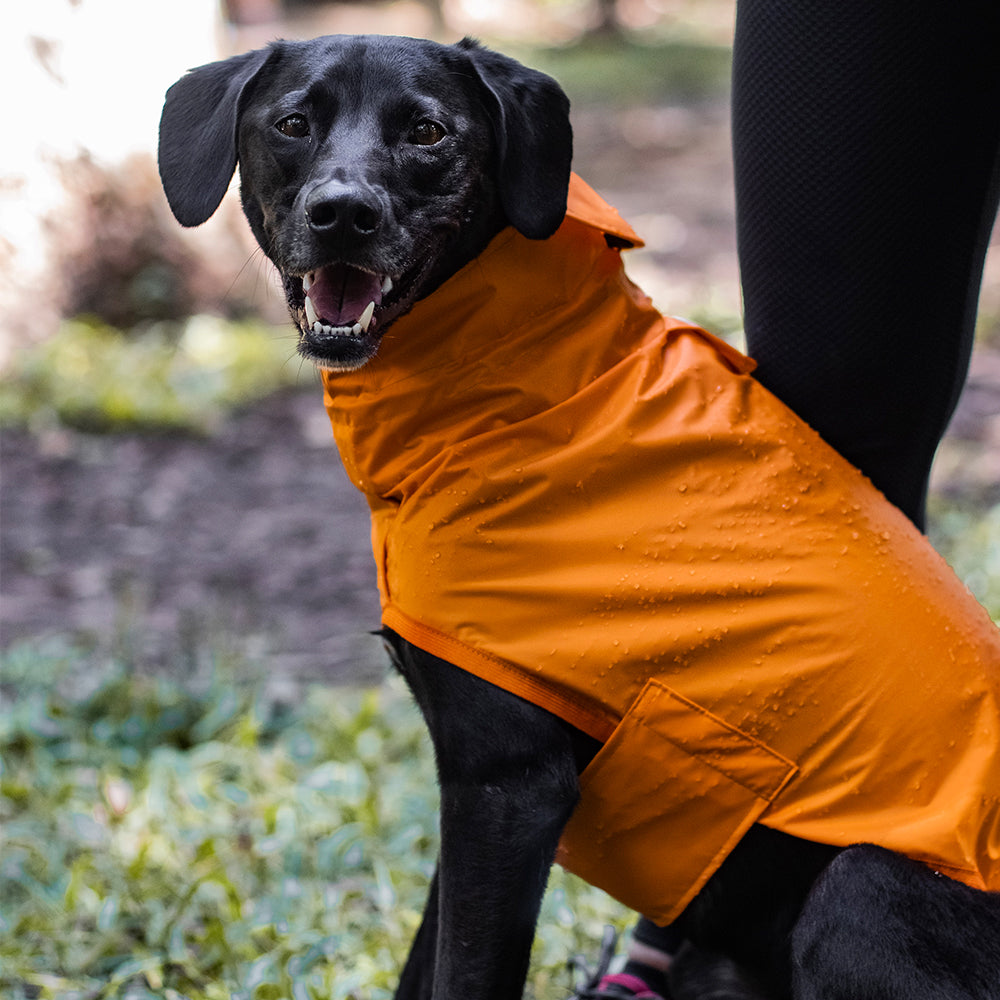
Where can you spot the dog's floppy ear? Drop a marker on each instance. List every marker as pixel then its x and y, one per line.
pixel 197 151
pixel 530 115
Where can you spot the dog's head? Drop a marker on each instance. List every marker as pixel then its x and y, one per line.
pixel 371 168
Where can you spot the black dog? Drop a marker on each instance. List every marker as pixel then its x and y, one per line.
pixel 399 189
pixel 372 170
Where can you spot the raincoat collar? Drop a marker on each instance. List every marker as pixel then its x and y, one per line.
pixel 515 332
pixel 585 205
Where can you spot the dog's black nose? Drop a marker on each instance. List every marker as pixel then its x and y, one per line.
pixel 347 211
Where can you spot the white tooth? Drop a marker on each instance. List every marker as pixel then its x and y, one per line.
pixel 366 317
pixel 387 285
pixel 356 330
pixel 307 281
pixel 311 314
pixel 318 327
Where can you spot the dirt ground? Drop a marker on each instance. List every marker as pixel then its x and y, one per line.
pixel 175 549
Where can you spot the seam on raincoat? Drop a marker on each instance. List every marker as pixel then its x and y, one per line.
pixel 591 719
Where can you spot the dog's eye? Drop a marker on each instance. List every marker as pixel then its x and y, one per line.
pixel 426 133
pixel 294 126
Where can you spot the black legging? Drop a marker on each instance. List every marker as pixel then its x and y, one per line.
pixel 866 142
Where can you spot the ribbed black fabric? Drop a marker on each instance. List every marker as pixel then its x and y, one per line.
pixel 866 137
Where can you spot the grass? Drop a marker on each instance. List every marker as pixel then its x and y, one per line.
pixel 202 840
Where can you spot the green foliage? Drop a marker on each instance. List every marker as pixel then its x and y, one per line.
pixel 969 539
pixel 208 841
pixel 95 377
pixel 612 70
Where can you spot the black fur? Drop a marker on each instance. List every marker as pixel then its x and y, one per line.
pixel 329 136
pixel 878 926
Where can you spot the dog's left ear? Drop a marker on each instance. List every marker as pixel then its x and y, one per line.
pixel 197 152
pixel 530 115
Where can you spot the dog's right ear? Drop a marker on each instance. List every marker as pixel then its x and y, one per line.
pixel 530 117
pixel 197 150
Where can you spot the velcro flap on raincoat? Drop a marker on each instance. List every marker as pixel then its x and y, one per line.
pixel 665 800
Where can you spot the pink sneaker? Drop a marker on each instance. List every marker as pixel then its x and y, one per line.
pixel 599 984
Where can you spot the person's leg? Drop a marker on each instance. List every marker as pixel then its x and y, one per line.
pixel 865 140
pixel 650 954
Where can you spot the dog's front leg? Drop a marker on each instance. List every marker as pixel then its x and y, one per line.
pixel 508 784
pixel 498 840
pixel 416 982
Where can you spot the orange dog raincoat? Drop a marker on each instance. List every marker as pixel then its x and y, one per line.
pixel 598 509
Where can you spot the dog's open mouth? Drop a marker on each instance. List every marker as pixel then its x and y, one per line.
pixel 339 309
pixel 341 300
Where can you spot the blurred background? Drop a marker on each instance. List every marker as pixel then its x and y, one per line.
pixel 168 477
pixel 181 556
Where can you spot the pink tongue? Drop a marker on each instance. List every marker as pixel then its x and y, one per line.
pixel 340 293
